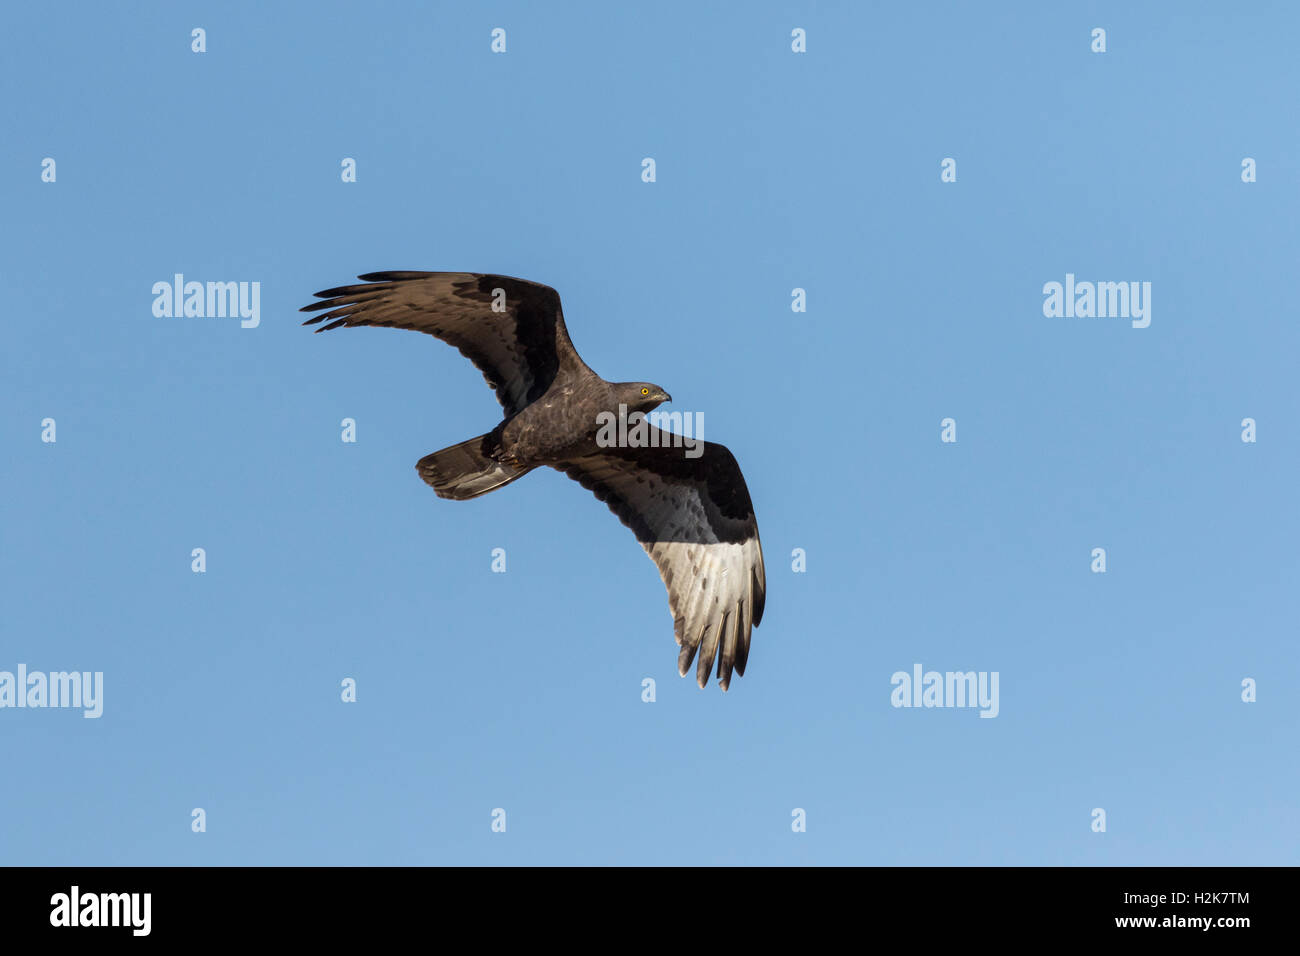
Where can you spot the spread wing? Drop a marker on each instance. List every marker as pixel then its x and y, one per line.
pixel 511 329
pixel 695 519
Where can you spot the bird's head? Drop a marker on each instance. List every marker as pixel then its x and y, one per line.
pixel 641 396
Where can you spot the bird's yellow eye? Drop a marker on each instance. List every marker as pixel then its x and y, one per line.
pixel 645 391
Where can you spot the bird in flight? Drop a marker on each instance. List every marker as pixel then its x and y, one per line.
pixel 691 513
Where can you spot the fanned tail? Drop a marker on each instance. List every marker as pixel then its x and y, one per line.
pixel 466 470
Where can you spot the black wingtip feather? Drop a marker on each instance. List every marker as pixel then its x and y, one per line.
pixel 317 306
pixel 399 276
pixel 760 597
pixel 685 658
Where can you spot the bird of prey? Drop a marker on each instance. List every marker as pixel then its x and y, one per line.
pixel 693 515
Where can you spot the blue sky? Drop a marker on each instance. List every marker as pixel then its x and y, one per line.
pixel 774 171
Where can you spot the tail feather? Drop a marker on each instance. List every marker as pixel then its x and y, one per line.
pixel 466 470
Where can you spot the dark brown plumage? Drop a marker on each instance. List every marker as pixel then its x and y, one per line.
pixel 693 515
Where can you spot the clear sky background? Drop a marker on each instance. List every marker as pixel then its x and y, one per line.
pixel 775 170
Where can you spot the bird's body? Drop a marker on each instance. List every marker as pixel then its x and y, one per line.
pixel 528 435
pixel 691 512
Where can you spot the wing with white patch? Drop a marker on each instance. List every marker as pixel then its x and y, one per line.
pixel 695 519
